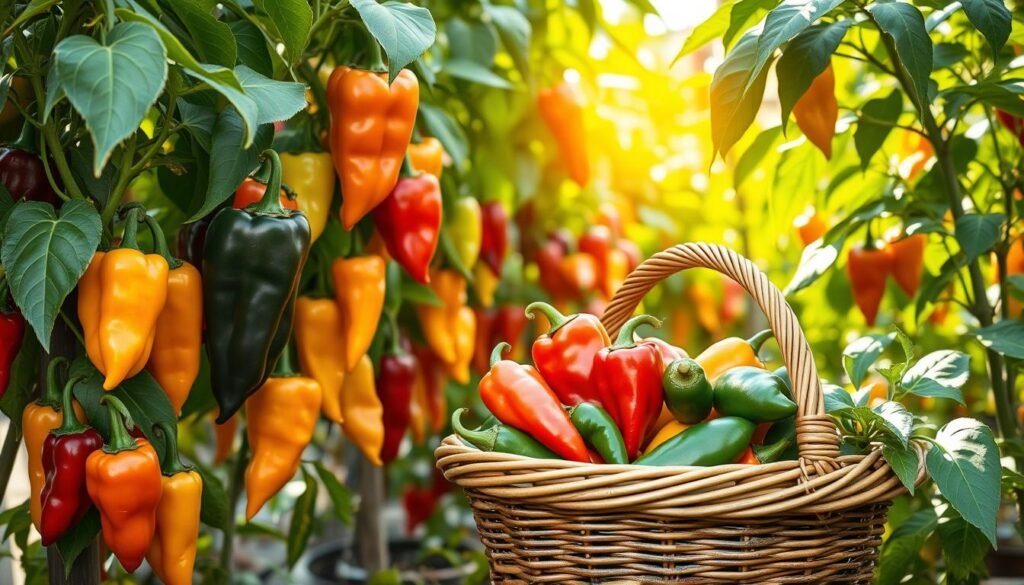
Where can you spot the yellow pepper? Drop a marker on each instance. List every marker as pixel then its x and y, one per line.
pixel 363 411
pixel 310 175
pixel 320 340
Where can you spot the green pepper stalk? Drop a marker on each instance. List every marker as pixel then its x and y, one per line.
pixel 501 439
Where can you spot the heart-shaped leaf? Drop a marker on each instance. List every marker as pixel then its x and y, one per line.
pixel 292 20
pixel 940 374
pixel 404 31
pixel 964 462
pixel 275 100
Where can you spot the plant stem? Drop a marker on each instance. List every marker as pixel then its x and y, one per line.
pixel 54 147
pixel 236 481
pixel 7 456
pixel 124 177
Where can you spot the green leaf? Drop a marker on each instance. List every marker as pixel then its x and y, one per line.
pixel 253 528
pixel 419 294
pixel 78 538
pixel 977 233
pixel 735 94
pixel 439 124
pixel 1005 337
pixel 874 124
pixel 836 398
pixel 198 120
pixel 754 154
pixel 904 463
pixel 18 522
pixel 816 259
pixel 44 256
pixel 783 24
pixel 200 398
pixel 932 285
pixel 252 47
pixel 897 418
pixel 707 31
pixel 292 20
pixel 276 100
pixel 112 85
pixel 31 10
pixel 964 462
pixel 515 31
pixel 475 73
pixel 341 497
pixel 904 545
pixel 230 161
pixel 859 356
pixel 1004 94
pixel 212 38
pixel 905 25
pixel 404 31
pixel 992 18
pixel 214 510
pixel 473 42
pixel 940 374
pixel 806 57
pixel 949 54
pixel 963 546
pixel 743 14
pixel 1011 479
pixel 7 515
pixel 303 516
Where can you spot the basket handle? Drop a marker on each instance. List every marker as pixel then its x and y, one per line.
pixel 817 438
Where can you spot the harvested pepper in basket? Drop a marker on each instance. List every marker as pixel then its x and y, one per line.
pixel 172 554
pixel 754 394
pixel 518 396
pixel 598 430
pixel 688 393
pixel 565 354
pixel 715 442
pixel 732 352
pixel 500 439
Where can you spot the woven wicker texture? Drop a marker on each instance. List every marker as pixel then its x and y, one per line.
pixel 815 520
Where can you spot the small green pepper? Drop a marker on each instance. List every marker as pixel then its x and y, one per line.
pixel 779 442
pixel 716 442
pixel 783 374
pixel 598 430
pixel 752 393
pixel 501 439
pixel 688 393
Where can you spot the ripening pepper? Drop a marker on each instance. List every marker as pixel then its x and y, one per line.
pixel 362 410
pixel 463 336
pixel 579 273
pixel 810 226
pixel 172 553
pixel 868 268
pixel 485 284
pixel 688 393
pixel 752 393
pixel 908 261
pixel 434 380
pixel 251 191
pixel 427 156
pixel 494 242
pixel 191 240
pixel 612 263
pixel 409 222
pixel 359 285
pixel 394 387
pixel 178 337
pixel 565 354
pixel 280 419
pixel 627 377
pixel 486 339
pixel 817 110
pixel 371 125
pixel 599 431
pixel 549 265
pixel 509 326
pixel 252 261
pixel 419 503
pixel 320 341
pixel 915 152
pixel 465 228
pixel 518 396
pixel 120 298
pixel 666 432
pixel 439 323
pixel 716 442
pixel 419 404
pixel 64 498
pixel 1014 265
pixel 124 481
pixel 12 330
pixel 310 175
pixel 22 172
pixel 562 113
pixel 500 438
pixel 732 352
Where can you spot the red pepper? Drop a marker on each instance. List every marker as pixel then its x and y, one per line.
pixel 251 191
pixel 668 352
pixel 409 221
pixel 549 263
pixel 597 241
pixel 12 330
pixel 628 380
pixel 518 396
pixel 509 326
pixel 632 252
pixel 494 244
pixel 565 355
pixel 394 388
pixel 1012 123
pixel 65 450
pixel 433 372
pixel 485 338
pixel 419 503
pixel 22 171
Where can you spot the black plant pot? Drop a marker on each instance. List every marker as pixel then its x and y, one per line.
pixel 337 563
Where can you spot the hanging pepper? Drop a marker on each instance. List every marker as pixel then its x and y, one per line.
pixel 371 125
pixel 191 240
pixel 466 230
pixel 627 377
pixel 64 498
pixel 687 391
pixel 598 430
pixel 518 396
pixel 362 410
pixel 509 327
pixel 486 338
pixel 251 192
pixel 280 419
pixel 394 387
pixel 427 156
pixel 419 404
pixel 715 442
pixel 120 298
pixel 419 503
pixel 409 221
pixel 752 393
pixel 500 438
pixel 22 171
pixel 579 272
pixel 868 268
pixel 434 379
pixel 810 226
pixel 124 481
pixel 732 352
pixel 612 263
pixel 463 337
pixel 359 285
pixel 320 340
pixel 485 284
pixel 224 439
pixel 565 355
pixel 494 242
pixel 1015 265
pixel 172 554
pixel 549 265
pixel 311 176
pixel 817 110
pixel 908 261
pixel 178 336
pixel 252 262
pixel 562 113
pixel 439 322
pixel 12 331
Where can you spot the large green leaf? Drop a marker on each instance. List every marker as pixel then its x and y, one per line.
pixel 212 38
pixel 341 497
pixel 1005 337
pixel 963 546
pixel 292 19
pixel 977 233
pixel 303 517
pixel 745 13
pixel 1004 94
pixel 230 160
pixel 806 57
pixel 707 31
pixel 782 25
pixel 815 260
pixel 252 47
pixel 940 374
pixel 404 30
pixel 992 18
pixel 754 154
pixel 214 506
pixel 859 356
pixel 112 85
pixel 31 10
pixel 904 23
pixel 514 30
pixel 477 41
pixel 904 462
pixel 876 120
pixel 45 254
pixel 904 545
pixel 476 73
pixel 964 462
pixel 442 126
pixel 276 100
pixel 735 94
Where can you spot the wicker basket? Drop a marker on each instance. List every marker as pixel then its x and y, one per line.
pixel 816 520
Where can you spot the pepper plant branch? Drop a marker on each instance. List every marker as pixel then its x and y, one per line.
pixel 124 177
pixel 235 483
pixel 49 135
pixel 165 132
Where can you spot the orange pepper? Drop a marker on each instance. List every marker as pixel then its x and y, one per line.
pixel 562 113
pixel 363 411
pixel 359 291
pixel 177 342
pixel 427 156
pixel 817 110
pixel 320 340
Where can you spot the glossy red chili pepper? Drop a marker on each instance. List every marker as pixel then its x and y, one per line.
pixel 409 221
pixel 565 355
pixel 394 388
pixel 12 330
pixel 22 171
pixel 509 325
pixel 419 503
pixel 494 244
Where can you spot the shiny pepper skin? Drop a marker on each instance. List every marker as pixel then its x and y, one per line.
pixel 172 553
pixel 371 125
pixel 409 222
pixel 562 113
pixel 359 286
pixel 868 269
pixel 177 341
pixel 509 327
pixel 494 243
pixel 281 417
pixel 908 261
pixel 485 284
pixel 466 230
pixel 224 439
pixel 565 355
pixel 549 265
pixel 428 156
pixel 191 239
pixel 310 175
pixel 394 386
pixel 251 191
pixel 12 330
pixel 817 110
pixel 1015 265
pixel 463 337
pixel 319 338
pixel 732 352
pixel 362 410
pixel 24 176
pixel 580 273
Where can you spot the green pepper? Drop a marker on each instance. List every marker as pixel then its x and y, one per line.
pixel 783 374
pixel 715 442
pixel 779 442
pixel 252 261
pixel 598 430
pixel 752 393
pixel 501 439
pixel 688 393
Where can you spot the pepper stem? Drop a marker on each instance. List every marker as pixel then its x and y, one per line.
pixel 498 350
pixel 483 440
pixel 758 340
pixel 284 367
pixel 120 440
pixel 407 168
pixel 70 423
pixel 51 393
pixel 131 229
pixel 171 463
pixel 625 337
pixel 376 60
pixel 27 139
pixel 160 242
pixel 554 317
pixel 270 203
